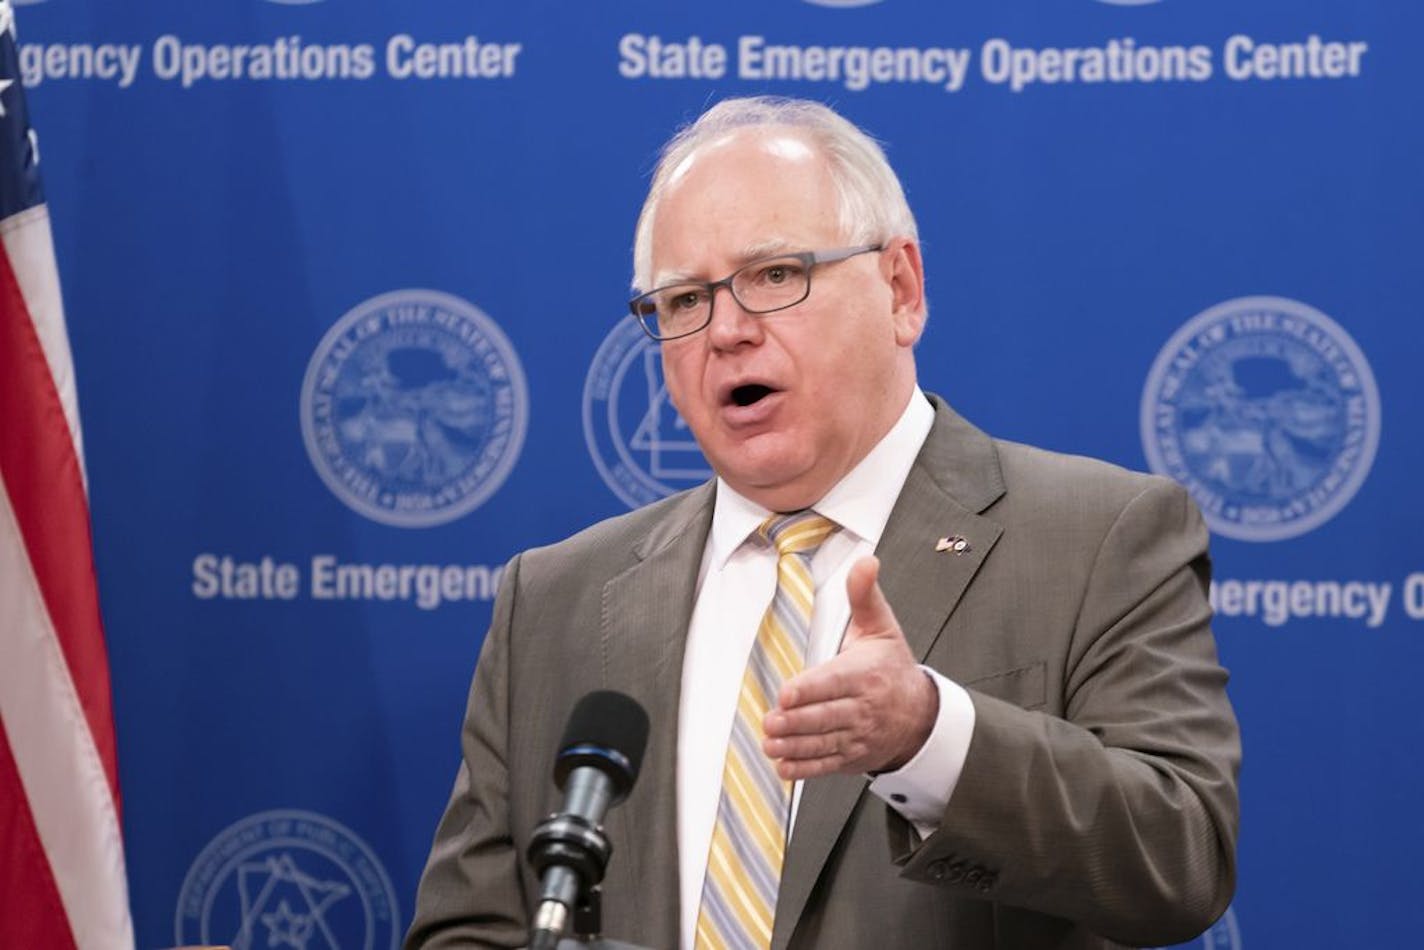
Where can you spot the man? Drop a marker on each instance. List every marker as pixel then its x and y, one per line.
pixel 1010 730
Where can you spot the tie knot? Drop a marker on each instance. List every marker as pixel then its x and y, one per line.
pixel 800 532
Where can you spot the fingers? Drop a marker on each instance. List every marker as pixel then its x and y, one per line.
pixel 863 709
pixel 861 580
pixel 855 727
pixel 819 684
pixel 822 745
pixel 842 713
pixel 870 613
pixel 836 762
pixel 809 754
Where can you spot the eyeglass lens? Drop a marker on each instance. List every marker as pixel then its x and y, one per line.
pixel 759 287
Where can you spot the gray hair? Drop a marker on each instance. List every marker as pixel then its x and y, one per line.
pixel 872 203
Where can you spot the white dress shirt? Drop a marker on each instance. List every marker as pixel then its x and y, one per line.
pixel 735 585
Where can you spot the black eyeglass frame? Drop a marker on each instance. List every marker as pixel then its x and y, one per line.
pixel 808 259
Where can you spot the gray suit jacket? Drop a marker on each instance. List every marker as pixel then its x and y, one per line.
pixel 1097 804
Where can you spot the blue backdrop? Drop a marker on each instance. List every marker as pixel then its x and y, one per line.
pixel 345 284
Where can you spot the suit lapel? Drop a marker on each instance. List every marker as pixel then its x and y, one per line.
pixel 646 611
pixel 955 476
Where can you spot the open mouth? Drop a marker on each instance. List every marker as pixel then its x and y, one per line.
pixel 750 394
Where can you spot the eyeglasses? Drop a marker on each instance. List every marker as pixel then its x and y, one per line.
pixel 762 286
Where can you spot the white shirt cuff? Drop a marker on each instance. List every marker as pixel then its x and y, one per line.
pixel 920 789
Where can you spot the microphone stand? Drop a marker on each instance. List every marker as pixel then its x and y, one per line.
pixel 588 924
pixel 580 851
pixel 597 764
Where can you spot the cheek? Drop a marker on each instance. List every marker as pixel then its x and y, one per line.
pixel 679 376
pixel 847 376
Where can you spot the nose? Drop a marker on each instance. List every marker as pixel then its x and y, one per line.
pixel 731 324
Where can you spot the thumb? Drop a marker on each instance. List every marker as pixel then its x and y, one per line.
pixel 870 613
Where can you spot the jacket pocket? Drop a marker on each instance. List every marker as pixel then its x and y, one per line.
pixel 1024 686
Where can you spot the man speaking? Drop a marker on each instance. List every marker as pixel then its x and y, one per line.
pixel 910 686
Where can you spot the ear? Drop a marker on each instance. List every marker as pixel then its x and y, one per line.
pixel 905 273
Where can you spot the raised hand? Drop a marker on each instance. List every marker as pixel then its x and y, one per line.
pixel 869 708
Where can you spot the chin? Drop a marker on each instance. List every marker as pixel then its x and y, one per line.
pixel 779 493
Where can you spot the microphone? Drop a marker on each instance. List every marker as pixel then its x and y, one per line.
pixel 598 762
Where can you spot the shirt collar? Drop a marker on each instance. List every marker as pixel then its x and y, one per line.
pixel 860 502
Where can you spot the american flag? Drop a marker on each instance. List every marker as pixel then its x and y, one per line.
pixel 62 878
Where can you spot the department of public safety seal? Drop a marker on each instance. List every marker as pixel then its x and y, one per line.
pixel 288 878
pixel 640 445
pixel 414 408
pixel 1267 411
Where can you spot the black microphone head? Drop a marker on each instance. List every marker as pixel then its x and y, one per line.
pixel 608 731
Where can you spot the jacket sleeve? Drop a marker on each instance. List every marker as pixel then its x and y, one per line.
pixel 471 893
pixel 1121 813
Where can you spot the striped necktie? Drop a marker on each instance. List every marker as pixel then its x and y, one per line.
pixel 749 840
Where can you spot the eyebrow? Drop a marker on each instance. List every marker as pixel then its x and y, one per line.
pixel 749 253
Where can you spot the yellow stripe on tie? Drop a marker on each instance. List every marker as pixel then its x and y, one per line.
pixel 748 843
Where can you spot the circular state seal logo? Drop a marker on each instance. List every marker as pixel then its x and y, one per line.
pixel 414 408
pixel 1267 412
pixel 288 879
pixel 641 446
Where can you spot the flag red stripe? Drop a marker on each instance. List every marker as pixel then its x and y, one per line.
pixel 41 473
pixel 31 914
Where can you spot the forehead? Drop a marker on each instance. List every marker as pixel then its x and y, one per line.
pixel 753 190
